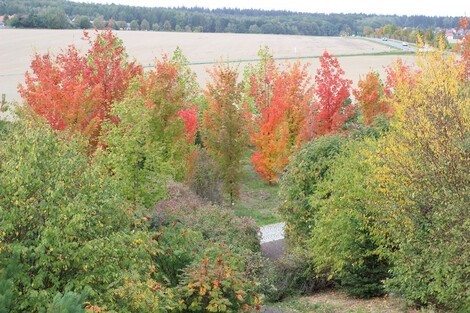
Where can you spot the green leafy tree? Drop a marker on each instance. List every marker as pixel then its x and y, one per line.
pixel 167 26
pixel 225 125
pixel 84 22
pixel 69 302
pixel 154 139
pixel 98 22
pixel 144 25
pixel 54 18
pixel 134 25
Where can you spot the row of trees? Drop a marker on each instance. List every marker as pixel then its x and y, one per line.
pixel 51 13
pixel 274 109
pixel 431 36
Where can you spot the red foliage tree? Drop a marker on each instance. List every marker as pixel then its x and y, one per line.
pixel 74 92
pixel 332 106
pixel 370 97
pixel 464 47
pixel 398 72
pixel 190 122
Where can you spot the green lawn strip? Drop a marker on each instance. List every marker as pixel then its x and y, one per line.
pixel 258 200
pixel 337 302
pixel 306 57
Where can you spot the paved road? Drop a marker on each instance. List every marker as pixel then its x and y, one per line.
pixel 394 44
pixel 272 240
pixel 273 247
pixel 272 232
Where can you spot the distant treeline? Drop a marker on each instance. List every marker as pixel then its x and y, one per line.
pixel 57 14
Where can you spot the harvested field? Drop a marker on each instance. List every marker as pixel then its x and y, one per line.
pixel 201 49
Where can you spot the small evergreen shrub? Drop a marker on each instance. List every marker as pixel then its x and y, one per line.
pixel 68 302
pixel 6 295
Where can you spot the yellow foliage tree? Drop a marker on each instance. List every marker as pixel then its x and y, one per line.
pixel 423 178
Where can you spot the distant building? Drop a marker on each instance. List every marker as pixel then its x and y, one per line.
pixel 450 34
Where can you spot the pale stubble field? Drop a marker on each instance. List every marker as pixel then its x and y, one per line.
pixel 18 47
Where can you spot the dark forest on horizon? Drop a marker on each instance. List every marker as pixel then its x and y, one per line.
pixel 64 14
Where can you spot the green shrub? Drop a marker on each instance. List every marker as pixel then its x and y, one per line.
pixel 423 174
pixel 290 275
pixel 179 248
pixel 306 169
pixel 365 279
pixel 341 244
pixel 64 225
pixel 6 295
pixel 201 246
pixel 4 125
pixel 205 178
pixel 216 223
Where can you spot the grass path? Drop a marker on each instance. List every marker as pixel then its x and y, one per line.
pixel 257 199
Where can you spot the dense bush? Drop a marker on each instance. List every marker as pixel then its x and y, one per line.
pixel 214 222
pixel 64 226
pixel 290 275
pixel 205 179
pixel 210 256
pixel 341 244
pixel 307 168
pixel 6 294
pixel 179 248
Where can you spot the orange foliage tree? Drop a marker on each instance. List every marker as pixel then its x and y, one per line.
pixel 370 97
pixel 171 95
pixel 225 126
pixel 75 92
pixel 282 103
pixel 332 106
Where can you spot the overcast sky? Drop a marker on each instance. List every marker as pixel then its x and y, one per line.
pixel 399 7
